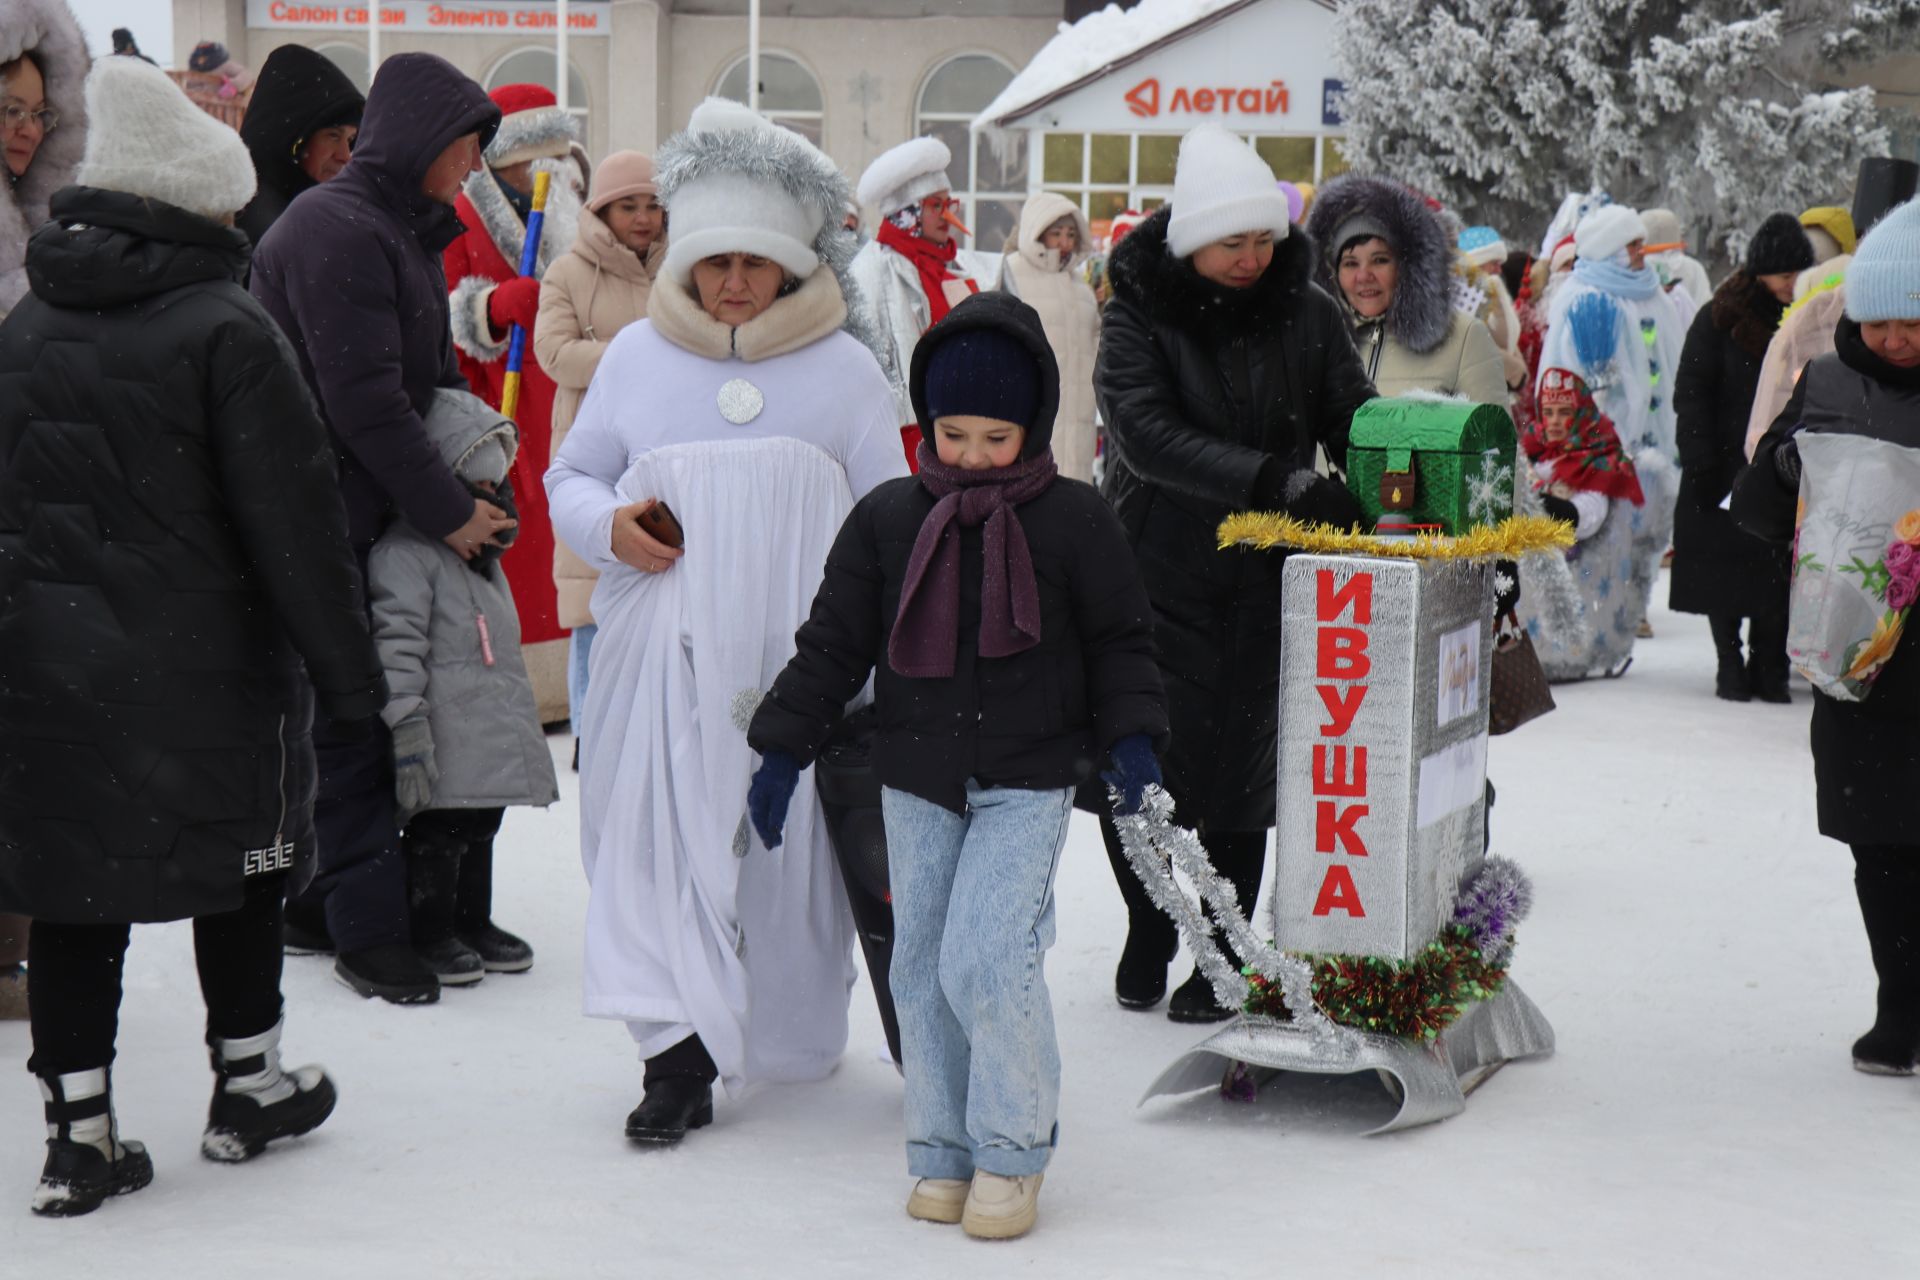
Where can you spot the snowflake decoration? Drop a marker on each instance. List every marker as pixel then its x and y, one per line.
pixel 1489 490
pixel 1502 583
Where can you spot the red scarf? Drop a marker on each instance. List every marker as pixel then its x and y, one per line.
pixel 932 261
pixel 1590 459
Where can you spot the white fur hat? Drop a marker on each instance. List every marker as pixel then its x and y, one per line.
pixel 734 182
pixel 1606 231
pixel 905 175
pixel 146 138
pixel 1222 188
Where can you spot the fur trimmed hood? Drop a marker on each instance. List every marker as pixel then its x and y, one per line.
pixel 1422 306
pixel 502 224
pixel 1146 274
pixel 47 29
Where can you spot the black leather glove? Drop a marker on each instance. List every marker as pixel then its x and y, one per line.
pixel 1308 497
pixel 1560 508
pixel 1786 464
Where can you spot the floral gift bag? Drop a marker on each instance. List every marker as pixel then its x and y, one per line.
pixel 1856 567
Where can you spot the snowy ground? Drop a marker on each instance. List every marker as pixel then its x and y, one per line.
pixel 1696 947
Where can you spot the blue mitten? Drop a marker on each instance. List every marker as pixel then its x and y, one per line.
pixel 1135 768
pixel 770 793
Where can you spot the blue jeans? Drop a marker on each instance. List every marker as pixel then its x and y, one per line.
pixel 577 650
pixel 972 919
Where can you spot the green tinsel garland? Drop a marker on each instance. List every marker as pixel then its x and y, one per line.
pixel 1414 999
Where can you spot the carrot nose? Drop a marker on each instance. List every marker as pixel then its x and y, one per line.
pixel 953 219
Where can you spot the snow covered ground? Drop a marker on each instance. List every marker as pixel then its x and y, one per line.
pixel 1695 944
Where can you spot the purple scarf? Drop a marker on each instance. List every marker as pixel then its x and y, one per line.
pixel 926 632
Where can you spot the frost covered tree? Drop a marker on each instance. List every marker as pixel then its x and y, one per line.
pixel 1719 109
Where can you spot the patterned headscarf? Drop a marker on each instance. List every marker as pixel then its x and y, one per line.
pixel 1590 459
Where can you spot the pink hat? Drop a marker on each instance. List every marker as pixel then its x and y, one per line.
pixel 623 173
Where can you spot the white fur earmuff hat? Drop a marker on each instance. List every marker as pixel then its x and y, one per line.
pixel 1606 231
pixel 905 175
pixel 145 137
pixel 1222 188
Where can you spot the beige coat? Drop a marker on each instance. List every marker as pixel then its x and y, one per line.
pixel 1805 333
pixel 589 294
pixel 1465 363
pixel 1071 318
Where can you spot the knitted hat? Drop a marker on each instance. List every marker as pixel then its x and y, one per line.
pixel 1779 246
pixel 1663 230
pixel 1883 280
pixel 907 174
pixel 984 373
pixel 146 138
pixel 734 182
pixel 1606 231
pixel 621 174
pixel 532 125
pixel 1361 226
pixel 1221 188
pixel 1483 247
pixel 1833 222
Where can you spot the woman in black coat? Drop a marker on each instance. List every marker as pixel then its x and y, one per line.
pixel 1223 369
pixel 173 550
pixel 1719 570
pixel 301 122
pixel 1864 752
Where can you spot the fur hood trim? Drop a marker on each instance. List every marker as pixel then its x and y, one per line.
pixel 1423 291
pixel 502 225
pixel 545 132
pixel 1147 275
pixel 795 320
pixel 46 28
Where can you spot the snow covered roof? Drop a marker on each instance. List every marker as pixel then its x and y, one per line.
pixel 1086 50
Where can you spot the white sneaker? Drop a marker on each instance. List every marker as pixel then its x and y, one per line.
pixel 1001 1208
pixel 938 1199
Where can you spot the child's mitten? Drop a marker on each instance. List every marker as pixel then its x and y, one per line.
pixel 1135 768
pixel 770 793
pixel 413 769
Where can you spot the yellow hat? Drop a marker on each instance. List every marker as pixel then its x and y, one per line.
pixel 1833 220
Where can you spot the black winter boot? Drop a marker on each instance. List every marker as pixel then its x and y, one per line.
pixel 1730 681
pixel 1767 667
pixel 1887 882
pixel 86 1161
pixel 255 1102
pixel 433 883
pixel 1140 982
pixel 499 951
pixel 1195 1002
pixel 679 1095
pixel 391 971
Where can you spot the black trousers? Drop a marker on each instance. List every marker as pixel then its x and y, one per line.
pixel 1887 880
pixel 1239 856
pixel 74 996
pixel 1766 639
pixel 687 1058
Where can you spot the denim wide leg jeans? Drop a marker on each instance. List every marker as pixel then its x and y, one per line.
pixel 972 919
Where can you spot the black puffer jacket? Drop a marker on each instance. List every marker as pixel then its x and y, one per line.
pixel 172 545
pixel 1718 568
pixel 1202 388
pixel 298 93
pixel 1039 719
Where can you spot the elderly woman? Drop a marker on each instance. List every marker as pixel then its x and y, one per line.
pixel 1222 371
pixel 740 412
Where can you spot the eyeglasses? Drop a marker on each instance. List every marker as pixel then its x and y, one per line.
pixel 16 117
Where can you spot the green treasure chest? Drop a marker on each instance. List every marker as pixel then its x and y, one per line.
pixel 1443 464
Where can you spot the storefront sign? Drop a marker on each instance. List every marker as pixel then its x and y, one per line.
pixel 1270 100
pixel 1333 102
pixel 482 17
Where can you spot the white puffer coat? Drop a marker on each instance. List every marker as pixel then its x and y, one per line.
pixel 1071 317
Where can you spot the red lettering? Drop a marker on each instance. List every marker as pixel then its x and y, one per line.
pixel 1277 98
pixel 1181 102
pixel 1332 823
pixel 1337 893
pixel 1330 775
pixel 1358 593
pixel 1144 98
pixel 1203 100
pixel 1248 100
pixel 1342 706
pixel 1342 654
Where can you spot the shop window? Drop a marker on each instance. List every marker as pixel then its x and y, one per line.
pixel 989 177
pixel 536 66
pixel 1158 151
pixel 1064 160
pixel 1291 159
pixel 350 58
pixel 1109 159
pixel 789 94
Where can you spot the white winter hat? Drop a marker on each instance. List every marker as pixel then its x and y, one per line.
pixel 1222 188
pixel 907 174
pixel 1606 231
pixel 145 137
pixel 735 182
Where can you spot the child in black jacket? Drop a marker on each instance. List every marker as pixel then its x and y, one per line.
pixel 1011 640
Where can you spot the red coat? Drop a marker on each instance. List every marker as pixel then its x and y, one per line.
pixel 529 562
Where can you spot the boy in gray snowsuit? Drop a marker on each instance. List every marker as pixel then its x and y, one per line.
pixel 466 733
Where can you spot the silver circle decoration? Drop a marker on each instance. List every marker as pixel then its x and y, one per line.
pixel 741 402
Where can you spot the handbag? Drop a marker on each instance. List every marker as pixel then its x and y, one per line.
pixel 1519 690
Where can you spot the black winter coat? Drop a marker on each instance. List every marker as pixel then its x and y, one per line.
pixel 352 274
pixel 1042 718
pixel 1201 388
pixel 1719 568
pixel 1864 753
pixel 298 93
pixel 172 545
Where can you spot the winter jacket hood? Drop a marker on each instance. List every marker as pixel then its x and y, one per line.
pixel 1042 211
pixel 1006 314
pixel 1422 306
pixel 1145 273
pixel 420 105
pixel 459 423
pixel 47 29
pixel 105 249
pixel 299 93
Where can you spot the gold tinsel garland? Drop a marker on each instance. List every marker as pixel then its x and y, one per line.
pixel 1509 540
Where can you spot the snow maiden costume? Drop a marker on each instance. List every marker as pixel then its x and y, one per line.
pixel 723 962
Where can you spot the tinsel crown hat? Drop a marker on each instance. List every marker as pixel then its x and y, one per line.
pixel 532 126
pixel 905 175
pixel 147 138
pixel 734 182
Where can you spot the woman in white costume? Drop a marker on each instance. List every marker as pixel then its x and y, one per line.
pixel 743 405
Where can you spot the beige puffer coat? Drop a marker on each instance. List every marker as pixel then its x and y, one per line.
pixel 1466 363
pixel 1071 317
pixel 589 294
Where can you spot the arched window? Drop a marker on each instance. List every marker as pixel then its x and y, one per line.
pixel 350 58
pixel 789 94
pixel 535 65
pixel 989 181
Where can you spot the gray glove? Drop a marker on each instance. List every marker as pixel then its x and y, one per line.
pixel 413 770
